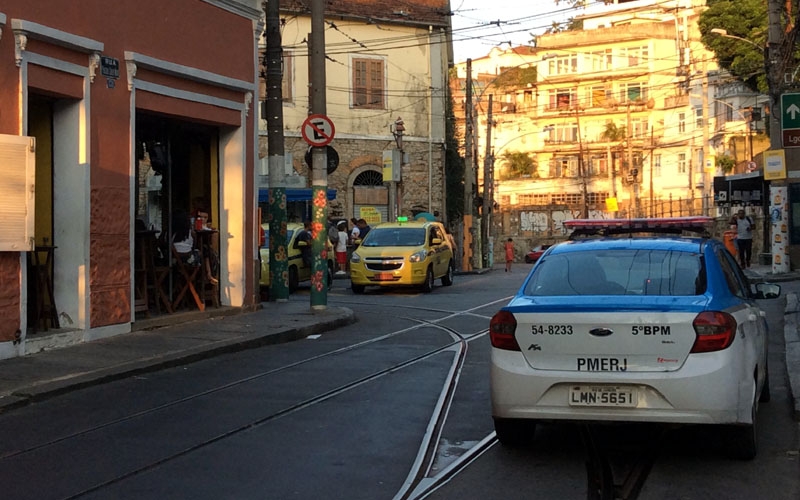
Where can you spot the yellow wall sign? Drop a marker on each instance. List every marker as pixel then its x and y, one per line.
pixel 611 204
pixel 774 165
pixel 370 214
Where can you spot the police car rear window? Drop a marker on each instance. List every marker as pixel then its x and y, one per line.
pixel 619 272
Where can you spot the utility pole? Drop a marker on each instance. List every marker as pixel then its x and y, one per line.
pixel 633 210
pixel 581 169
pixel 278 263
pixel 704 164
pixel 319 159
pixel 469 174
pixel 774 65
pixel 487 190
pixel 652 150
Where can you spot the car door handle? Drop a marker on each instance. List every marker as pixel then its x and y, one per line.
pixel 751 317
pixel 763 314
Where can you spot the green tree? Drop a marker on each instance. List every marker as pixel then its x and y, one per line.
pixel 453 166
pixel 725 163
pixel 746 19
pixel 614 133
pixel 516 164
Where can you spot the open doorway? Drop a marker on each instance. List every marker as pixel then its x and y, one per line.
pixel 177 178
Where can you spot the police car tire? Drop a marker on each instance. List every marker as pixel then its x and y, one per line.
pixel 514 432
pixel 744 439
pixel 765 394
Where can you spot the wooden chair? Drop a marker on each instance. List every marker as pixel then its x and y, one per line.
pixel 187 275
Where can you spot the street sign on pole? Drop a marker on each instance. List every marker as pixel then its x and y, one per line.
pixel 318 130
pixel 790 120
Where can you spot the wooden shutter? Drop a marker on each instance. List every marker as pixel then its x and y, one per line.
pixel 17 193
pixel 368 83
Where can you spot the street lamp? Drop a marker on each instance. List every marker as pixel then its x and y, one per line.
pixel 724 33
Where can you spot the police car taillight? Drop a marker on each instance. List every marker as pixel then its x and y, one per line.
pixel 501 331
pixel 715 331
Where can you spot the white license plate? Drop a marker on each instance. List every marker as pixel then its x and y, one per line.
pixel 603 395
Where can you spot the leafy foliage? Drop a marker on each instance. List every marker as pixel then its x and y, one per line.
pixel 453 166
pixel 516 164
pixel 614 133
pixel 725 163
pixel 746 19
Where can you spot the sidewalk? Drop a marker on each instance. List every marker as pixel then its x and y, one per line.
pixel 191 338
pixel 45 374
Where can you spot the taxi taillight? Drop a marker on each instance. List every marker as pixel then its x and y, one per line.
pixel 715 331
pixel 501 331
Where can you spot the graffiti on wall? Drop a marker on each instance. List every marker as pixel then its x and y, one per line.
pixel 541 222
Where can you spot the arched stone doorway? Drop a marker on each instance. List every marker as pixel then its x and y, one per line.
pixel 368 196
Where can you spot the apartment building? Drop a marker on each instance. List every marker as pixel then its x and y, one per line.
pixel 628 117
pixel 385 65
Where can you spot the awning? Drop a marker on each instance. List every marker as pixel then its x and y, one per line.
pixel 293 194
pixel 740 189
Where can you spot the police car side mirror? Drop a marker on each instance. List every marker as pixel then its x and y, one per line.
pixel 767 291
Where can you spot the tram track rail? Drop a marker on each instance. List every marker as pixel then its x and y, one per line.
pixel 458 344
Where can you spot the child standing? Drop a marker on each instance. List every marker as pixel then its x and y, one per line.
pixel 509 247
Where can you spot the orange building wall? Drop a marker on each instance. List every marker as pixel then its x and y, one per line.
pixel 188 32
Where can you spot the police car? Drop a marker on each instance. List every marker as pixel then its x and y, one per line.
pixel 633 321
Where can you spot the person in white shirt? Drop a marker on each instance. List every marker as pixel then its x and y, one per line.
pixel 341 248
pixel 355 232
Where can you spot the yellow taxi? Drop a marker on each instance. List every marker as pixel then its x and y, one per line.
pixel 298 271
pixel 403 253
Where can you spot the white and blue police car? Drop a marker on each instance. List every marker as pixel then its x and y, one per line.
pixel 633 320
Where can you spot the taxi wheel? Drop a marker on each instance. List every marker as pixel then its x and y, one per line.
pixel 514 432
pixel 447 279
pixel 357 289
pixel 427 286
pixel 294 279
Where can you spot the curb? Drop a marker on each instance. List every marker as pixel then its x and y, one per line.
pixel 50 388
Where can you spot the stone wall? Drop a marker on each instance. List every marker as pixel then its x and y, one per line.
pixel 358 155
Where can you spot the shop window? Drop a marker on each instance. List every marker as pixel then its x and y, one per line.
pixel 368 82
pixel 18 171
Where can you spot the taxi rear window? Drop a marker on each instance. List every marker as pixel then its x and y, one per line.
pixel 395 237
pixel 619 272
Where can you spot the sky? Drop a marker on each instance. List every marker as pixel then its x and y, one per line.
pixel 479 25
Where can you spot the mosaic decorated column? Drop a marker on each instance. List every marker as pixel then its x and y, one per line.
pixel 779 217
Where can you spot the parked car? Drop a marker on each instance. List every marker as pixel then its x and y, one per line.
pixel 535 253
pixel 298 271
pixel 403 254
pixel 638 328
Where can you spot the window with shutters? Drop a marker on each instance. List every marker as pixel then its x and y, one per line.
pixel 287 77
pixel 17 183
pixel 368 84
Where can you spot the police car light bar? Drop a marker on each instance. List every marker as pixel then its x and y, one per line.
pixel 697 224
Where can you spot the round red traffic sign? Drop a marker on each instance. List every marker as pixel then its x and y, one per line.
pixel 318 130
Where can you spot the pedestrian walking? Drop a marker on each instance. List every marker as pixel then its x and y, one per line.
pixel 509 248
pixel 744 237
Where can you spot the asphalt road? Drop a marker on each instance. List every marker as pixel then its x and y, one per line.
pixel 393 406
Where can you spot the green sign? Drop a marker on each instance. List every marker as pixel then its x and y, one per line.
pixel 790 111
